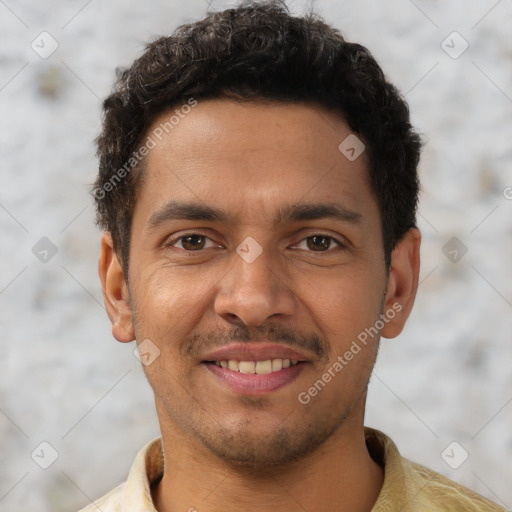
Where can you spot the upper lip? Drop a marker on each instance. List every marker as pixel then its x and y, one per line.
pixel 260 351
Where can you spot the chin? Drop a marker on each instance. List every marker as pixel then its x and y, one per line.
pixel 257 449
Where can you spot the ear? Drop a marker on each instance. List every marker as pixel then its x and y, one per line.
pixel 402 283
pixel 115 291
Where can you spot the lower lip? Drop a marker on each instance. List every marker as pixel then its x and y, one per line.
pixel 253 383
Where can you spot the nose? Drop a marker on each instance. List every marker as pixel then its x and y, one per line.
pixel 253 292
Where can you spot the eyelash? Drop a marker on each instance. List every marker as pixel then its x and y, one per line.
pixel 173 241
pixel 338 244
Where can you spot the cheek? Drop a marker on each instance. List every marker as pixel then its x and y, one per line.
pixel 169 301
pixel 344 303
pixel 168 307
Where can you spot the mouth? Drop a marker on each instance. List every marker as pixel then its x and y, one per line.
pixel 255 369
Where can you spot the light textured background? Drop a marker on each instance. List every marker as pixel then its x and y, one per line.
pixel 63 378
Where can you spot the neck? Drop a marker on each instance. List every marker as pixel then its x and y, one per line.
pixel 339 476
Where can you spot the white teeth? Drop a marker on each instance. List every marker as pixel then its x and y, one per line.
pixel 263 367
pixel 247 367
pixel 277 364
pixel 258 367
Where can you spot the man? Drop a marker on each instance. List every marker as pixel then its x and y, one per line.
pixel 258 191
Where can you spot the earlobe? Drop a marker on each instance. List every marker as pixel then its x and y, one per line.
pixel 115 291
pixel 402 283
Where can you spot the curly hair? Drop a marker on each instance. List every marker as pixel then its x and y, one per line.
pixel 257 51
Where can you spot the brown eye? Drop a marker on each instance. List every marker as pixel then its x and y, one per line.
pixel 193 242
pixel 319 242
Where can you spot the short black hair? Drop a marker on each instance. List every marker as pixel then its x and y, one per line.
pixel 257 51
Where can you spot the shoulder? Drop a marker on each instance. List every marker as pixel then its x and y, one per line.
pixel 134 494
pixel 436 492
pixel 411 487
pixel 110 502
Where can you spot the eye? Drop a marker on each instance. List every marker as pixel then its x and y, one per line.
pixel 319 243
pixel 192 242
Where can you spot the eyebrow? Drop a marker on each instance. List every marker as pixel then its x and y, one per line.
pixel 314 211
pixel 174 210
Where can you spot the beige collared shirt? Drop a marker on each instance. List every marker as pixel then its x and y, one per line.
pixel 408 487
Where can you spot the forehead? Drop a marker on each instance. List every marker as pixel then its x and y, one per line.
pixel 253 158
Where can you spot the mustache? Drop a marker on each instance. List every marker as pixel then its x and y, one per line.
pixel 197 343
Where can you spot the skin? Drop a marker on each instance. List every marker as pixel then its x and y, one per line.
pixel 225 450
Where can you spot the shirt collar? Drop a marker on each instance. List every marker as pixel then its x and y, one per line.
pixel 148 468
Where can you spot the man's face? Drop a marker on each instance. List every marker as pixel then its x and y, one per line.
pixel 255 239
